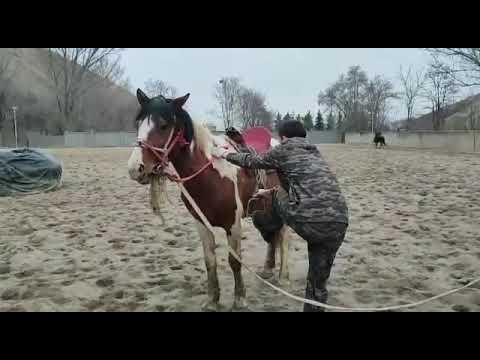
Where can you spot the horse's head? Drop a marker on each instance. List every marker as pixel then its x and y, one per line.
pixel 164 130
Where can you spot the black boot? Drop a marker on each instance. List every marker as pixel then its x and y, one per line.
pixel 311 293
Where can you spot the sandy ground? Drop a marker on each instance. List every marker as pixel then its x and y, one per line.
pixel 94 245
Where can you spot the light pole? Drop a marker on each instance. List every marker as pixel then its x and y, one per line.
pixel 224 104
pixel 14 109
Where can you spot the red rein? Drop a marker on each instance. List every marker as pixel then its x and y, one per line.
pixel 162 155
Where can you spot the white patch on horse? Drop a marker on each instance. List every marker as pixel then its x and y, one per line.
pixel 136 158
pixel 144 129
pixel 205 141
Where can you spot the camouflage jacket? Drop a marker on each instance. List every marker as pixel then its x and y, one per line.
pixel 313 191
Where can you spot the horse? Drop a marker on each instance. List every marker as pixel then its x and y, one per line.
pixel 379 139
pixel 167 137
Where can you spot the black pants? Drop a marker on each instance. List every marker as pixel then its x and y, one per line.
pixel 323 241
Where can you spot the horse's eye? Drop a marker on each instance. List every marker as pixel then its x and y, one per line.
pixel 163 127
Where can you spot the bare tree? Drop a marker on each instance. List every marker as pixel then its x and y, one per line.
pixel 126 84
pixel 336 97
pixel 252 110
pixel 473 116
pixel 244 107
pixel 383 116
pixel 356 80
pixel 227 93
pixel 158 87
pixel 473 121
pixel 69 69
pixel 412 84
pixel 439 89
pixel 109 71
pixel 7 71
pixel 266 118
pixel 346 96
pixel 462 64
pixel 377 93
pixel 3 109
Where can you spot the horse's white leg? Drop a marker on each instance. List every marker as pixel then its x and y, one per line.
pixel 283 237
pixel 234 240
pixel 269 265
pixel 208 243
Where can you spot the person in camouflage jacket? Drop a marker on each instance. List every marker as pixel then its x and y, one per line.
pixel 310 202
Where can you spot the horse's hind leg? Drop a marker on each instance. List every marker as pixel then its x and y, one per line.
pixel 234 240
pixel 283 237
pixel 269 264
pixel 208 243
pixel 261 222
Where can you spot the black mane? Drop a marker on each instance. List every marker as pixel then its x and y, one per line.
pixel 161 107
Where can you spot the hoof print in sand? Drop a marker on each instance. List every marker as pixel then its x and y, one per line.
pixel 460 308
pixel 140 296
pixel 104 282
pixel 4 269
pixel 10 294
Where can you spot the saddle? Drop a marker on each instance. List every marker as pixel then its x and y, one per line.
pixel 260 210
pixel 256 138
pixel 261 202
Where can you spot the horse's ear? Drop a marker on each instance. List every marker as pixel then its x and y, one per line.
pixel 179 102
pixel 142 97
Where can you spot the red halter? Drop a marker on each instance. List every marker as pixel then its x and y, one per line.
pixel 163 153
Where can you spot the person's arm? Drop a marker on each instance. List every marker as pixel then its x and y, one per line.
pixel 269 160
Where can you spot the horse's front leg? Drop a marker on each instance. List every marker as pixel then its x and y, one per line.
pixel 208 243
pixel 234 240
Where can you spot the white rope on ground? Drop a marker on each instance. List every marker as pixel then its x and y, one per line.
pixel 301 299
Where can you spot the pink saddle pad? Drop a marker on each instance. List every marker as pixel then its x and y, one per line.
pixel 258 138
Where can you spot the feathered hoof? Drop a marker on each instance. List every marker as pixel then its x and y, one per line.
pixel 240 305
pixel 210 306
pixel 284 282
pixel 266 273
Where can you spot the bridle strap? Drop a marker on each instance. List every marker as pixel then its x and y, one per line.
pixel 163 153
pixel 175 178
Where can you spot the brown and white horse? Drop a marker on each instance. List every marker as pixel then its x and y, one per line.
pixel 168 136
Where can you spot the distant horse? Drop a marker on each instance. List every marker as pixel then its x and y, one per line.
pixel 379 139
pixel 168 136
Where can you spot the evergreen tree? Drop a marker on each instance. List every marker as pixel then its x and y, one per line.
pixel 330 121
pixel 278 121
pixel 287 117
pixel 319 124
pixel 308 121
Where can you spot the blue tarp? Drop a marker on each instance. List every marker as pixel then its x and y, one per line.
pixel 24 171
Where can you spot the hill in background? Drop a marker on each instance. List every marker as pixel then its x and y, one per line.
pixel 25 82
pixel 456 116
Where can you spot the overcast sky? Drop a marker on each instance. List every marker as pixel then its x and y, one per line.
pixel 290 78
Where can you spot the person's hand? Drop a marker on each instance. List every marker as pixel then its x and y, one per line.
pixel 220 152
